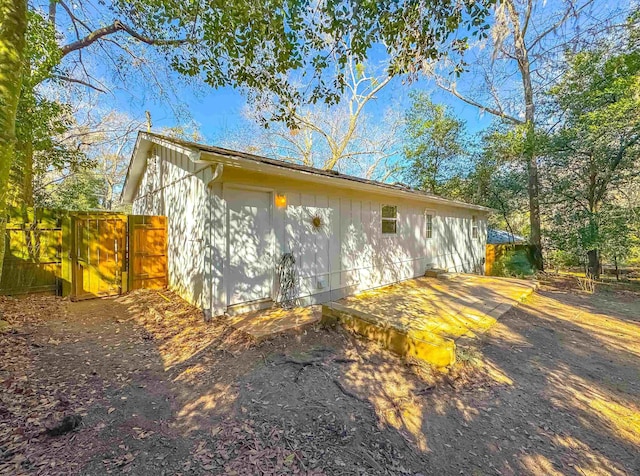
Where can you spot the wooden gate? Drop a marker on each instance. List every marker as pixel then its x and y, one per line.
pixel 147 252
pixel 83 254
pixel 98 261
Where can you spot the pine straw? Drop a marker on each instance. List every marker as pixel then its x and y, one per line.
pixel 35 396
pixel 241 450
pixel 31 310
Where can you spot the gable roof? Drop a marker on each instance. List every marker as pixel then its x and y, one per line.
pixel 498 237
pixel 253 162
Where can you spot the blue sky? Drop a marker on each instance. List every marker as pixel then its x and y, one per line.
pixel 218 111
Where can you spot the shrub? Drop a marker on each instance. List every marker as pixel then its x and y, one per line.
pixel 513 263
pixel 562 259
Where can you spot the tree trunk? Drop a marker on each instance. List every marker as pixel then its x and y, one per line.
pixel 615 262
pixel 13 26
pixel 524 65
pixel 108 201
pixel 24 153
pixel 534 210
pixel 23 165
pixel 535 238
pixel 593 265
pixel 24 146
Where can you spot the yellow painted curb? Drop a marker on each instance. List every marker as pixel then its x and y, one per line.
pixel 420 344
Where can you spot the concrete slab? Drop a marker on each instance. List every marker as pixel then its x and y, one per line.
pixel 266 323
pixel 407 342
pixel 442 310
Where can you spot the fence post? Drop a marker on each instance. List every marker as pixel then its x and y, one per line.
pixel 66 251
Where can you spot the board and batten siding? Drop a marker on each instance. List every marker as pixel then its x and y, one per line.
pixel 348 253
pixel 173 186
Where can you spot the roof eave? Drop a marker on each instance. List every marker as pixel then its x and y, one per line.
pixel 136 167
pixel 237 161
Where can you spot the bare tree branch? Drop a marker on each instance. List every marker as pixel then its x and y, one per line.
pixel 570 11
pixel 338 137
pixel 73 17
pixel 77 81
pixel 115 27
pixel 496 112
pixel 52 11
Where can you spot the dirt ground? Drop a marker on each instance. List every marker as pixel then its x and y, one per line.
pixel 554 388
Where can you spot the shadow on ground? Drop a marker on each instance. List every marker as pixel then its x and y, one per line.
pixel 552 389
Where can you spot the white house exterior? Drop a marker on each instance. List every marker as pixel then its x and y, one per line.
pixel 232 215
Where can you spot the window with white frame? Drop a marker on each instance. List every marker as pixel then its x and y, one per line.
pixel 389 219
pixel 474 227
pixel 428 224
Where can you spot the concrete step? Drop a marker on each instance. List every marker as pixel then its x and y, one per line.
pixel 434 272
pixel 439 273
pixel 406 342
pixel 250 306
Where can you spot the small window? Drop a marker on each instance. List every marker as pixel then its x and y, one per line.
pixel 389 219
pixel 474 227
pixel 429 223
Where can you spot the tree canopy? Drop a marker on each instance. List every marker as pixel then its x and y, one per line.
pixel 435 145
pixel 257 45
pixel 594 154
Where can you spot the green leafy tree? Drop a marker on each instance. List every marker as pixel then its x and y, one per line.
pixel 444 160
pixel 510 74
pixel 256 45
pixel 81 191
pixel 499 178
pixel 40 121
pixel 618 232
pixel 44 149
pixel 596 151
pixel 435 146
pixel 45 157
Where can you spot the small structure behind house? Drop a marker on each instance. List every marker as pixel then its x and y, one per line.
pixel 499 242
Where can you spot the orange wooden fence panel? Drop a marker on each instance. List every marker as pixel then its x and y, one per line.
pixel 33 252
pixel 98 257
pixel 83 254
pixel 147 252
pixel 490 259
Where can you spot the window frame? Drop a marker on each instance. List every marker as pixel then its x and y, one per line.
pixel 428 224
pixel 475 231
pixel 388 219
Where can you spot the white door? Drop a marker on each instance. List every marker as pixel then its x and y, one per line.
pixel 249 234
